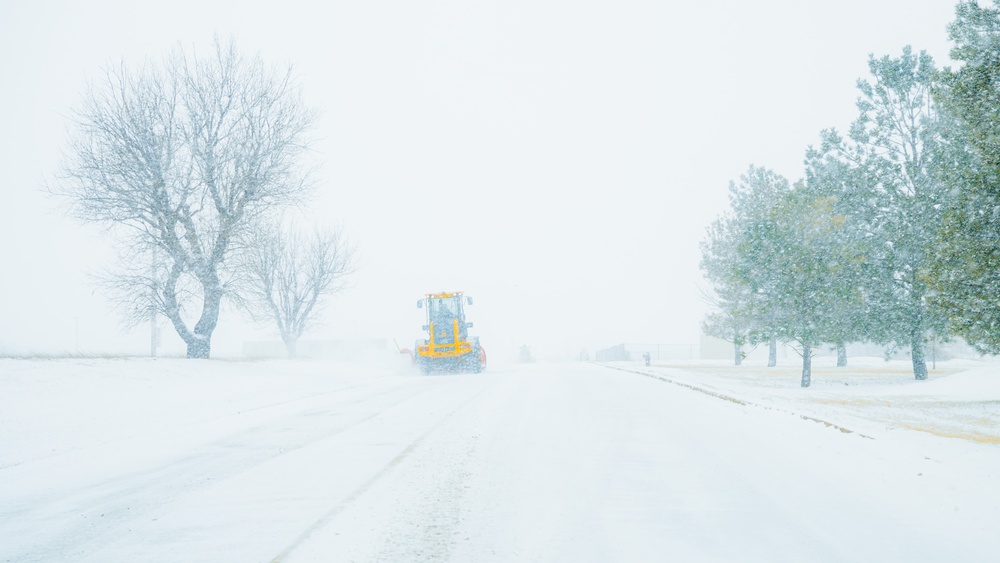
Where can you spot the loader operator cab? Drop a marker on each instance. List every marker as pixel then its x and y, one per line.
pixel 446 308
pixel 442 311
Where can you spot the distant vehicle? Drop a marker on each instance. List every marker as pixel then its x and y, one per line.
pixel 524 355
pixel 448 347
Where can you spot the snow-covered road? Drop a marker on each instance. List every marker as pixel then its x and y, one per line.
pixel 541 462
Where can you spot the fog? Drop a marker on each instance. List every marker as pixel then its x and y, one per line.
pixel 557 161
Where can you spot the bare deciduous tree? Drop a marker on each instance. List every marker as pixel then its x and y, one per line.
pixel 288 273
pixel 179 159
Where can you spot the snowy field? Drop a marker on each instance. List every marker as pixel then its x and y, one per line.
pixel 281 461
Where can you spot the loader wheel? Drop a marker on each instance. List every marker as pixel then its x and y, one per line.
pixel 423 365
pixel 472 363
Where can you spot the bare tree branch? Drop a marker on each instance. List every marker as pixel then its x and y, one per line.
pixel 289 272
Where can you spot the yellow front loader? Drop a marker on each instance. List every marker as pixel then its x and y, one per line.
pixel 448 347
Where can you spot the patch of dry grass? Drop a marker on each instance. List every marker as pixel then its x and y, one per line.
pixel 972 436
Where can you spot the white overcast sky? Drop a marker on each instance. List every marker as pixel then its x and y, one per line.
pixel 559 161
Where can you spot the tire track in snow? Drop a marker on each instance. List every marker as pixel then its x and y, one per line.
pixel 347 501
pixel 90 518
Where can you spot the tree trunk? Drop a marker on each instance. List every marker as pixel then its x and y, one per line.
pixel 806 365
pixel 772 352
pixel 200 344
pixel 199 341
pixel 917 354
pixel 738 354
pixel 199 348
pixel 917 331
pixel 841 355
pixel 291 346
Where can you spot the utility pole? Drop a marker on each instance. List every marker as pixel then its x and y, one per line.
pixel 152 333
pixel 153 336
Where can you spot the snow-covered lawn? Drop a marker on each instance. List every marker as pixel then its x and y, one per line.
pixel 177 460
pixel 960 398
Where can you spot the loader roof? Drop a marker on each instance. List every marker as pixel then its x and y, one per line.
pixel 444 294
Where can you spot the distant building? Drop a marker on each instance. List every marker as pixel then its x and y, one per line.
pixel 629 351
